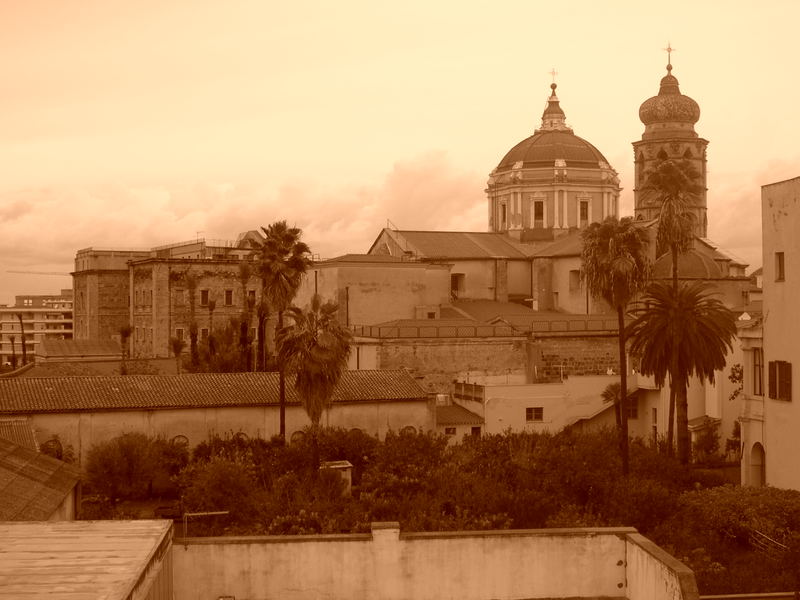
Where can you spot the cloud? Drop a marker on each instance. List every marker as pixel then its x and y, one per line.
pixel 42 228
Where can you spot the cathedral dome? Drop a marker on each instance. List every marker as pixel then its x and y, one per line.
pixel 691 265
pixel 553 141
pixel 670 105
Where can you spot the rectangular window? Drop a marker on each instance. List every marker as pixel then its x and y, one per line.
pixel 228 297
pixel 503 216
pixel 538 214
pixel 584 213
pixel 758 372
pixel 780 267
pixel 574 280
pixel 180 298
pixel 780 380
pixel 534 414
pixel 633 408
pixel 179 333
pixel 449 430
pixel 476 431
pixel 204 333
pixel 203 297
pixel 251 296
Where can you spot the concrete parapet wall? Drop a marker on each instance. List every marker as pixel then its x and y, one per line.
pixel 554 563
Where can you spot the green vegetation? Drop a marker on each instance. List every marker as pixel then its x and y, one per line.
pixel 490 482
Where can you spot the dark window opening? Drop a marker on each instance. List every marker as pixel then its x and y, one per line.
pixel 534 414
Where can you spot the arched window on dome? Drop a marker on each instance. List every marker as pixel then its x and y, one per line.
pixel 688 153
pixel 662 155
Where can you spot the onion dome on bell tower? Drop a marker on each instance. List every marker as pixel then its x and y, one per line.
pixel 669 134
pixel 551 182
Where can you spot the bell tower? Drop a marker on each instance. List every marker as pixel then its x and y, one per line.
pixel 669 133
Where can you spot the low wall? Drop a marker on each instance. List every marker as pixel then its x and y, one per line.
pixel 478 565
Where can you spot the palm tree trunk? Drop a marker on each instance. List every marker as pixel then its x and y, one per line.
pixel 682 406
pixel 671 421
pixel 282 388
pixel 315 451
pixel 623 392
pixel 673 365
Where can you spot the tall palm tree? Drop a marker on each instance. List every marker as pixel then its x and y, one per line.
pixel 282 261
pixel 673 186
pixel 22 340
pixel 615 269
pixel 245 272
pixel 315 347
pixel 691 324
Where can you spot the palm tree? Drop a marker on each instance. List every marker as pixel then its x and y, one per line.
pixel 124 341
pixel 177 346
pixel 212 304
pixel 673 185
pixel 12 339
pixel 615 269
pixel 22 340
pixel 282 261
pixel 245 272
pixel 692 325
pixel 315 347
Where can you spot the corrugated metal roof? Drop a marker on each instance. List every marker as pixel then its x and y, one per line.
pixel 59 394
pixel 18 431
pixel 455 414
pixel 65 560
pixel 32 485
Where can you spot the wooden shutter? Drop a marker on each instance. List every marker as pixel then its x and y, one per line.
pixel 784 380
pixel 773 380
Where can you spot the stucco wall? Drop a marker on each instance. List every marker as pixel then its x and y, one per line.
pixel 81 430
pixel 555 563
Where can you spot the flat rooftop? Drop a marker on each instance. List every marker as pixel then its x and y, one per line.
pixel 67 560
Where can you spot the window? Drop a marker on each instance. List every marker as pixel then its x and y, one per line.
pixel 780 380
pixel 780 267
pixel 449 430
pixel 179 297
pixel 228 297
pixel 476 431
pixel 432 315
pixel 534 414
pixel 179 333
pixel 457 281
pixel 203 297
pixel 633 408
pixel 538 214
pixel 204 333
pixel 584 213
pixel 758 372
pixel 251 295
pixel 574 280
pixel 502 216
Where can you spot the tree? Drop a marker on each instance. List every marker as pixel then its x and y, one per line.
pixel 12 339
pixel 191 285
pixel 22 340
pixel 177 346
pixel 315 347
pixel 692 325
pixel 615 269
pixel 245 272
pixel 212 304
pixel 282 261
pixel 673 185
pixel 124 341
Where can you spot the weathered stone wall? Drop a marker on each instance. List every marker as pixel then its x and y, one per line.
pixel 552 357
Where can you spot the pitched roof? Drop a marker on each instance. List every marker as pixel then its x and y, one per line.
pixel 18 431
pixel 568 245
pixel 463 244
pixel 52 348
pixel 455 414
pixel 32 485
pixel 131 392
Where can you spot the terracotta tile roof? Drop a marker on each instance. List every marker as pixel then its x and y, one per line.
pixel 60 394
pixel 32 485
pixel 463 244
pixel 455 414
pixel 79 348
pixel 18 431
pixel 568 245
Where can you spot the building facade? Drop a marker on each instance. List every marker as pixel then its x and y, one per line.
pixel 42 317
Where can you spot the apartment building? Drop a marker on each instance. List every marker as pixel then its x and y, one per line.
pixel 36 318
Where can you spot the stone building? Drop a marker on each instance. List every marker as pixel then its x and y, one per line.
pixel 550 182
pixel 669 119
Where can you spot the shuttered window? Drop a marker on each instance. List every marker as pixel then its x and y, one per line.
pixel 780 380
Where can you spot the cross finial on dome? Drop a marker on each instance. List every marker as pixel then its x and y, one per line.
pixel 669 50
pixel 553 74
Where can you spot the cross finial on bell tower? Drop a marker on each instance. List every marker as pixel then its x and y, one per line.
pixel 553 74
pixel 669 50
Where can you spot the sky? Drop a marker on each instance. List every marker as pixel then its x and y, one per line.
pixel 135 124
